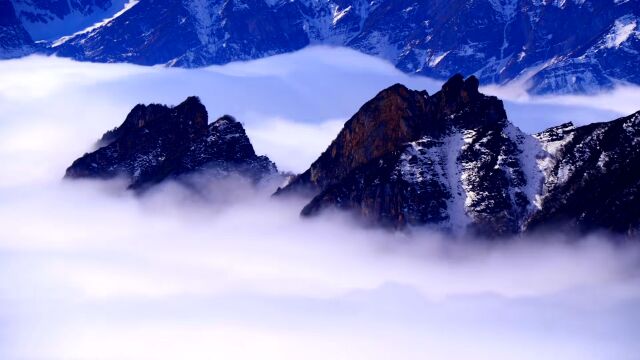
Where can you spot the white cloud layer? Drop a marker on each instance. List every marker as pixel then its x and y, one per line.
pixel 90 272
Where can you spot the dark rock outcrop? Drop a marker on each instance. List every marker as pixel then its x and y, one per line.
pixel 593 177
pixel 405 158
pixel 157 142
pixel 453 161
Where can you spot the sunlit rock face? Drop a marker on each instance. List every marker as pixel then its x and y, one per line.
pixel 406 158
pixel 562 46
pixel 14 39
pixel 157 142
pixel 454 162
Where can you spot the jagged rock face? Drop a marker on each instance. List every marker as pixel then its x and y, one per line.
pixel 378 128
pixel 565 46
pixel 156 142
pixel 450 160
pixel 14 39
pixel 592 177
pixel 453 162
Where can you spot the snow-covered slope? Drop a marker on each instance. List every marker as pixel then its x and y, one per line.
pixel 593 178
pixel 50 19
pixel 449 160
pixel 563 46
pixel 14 39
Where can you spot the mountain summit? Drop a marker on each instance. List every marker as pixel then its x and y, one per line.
pixel 454 162
pixel 157 142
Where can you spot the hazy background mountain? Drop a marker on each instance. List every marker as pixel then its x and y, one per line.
pixel 15 41
pixel 562 46
pixel 567 46
pixel 52 19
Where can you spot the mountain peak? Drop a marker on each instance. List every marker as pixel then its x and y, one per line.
pixel 460 104
pixel 457 92
pixel 556 132
pixel 228 126
pixel 193 99
pixel 396 116
pixel 156 142
pixel 471 85
pixel 193 114
pixel 454 84
pixel 226 120
pixel 399 90
pixel 407 158
pixel 452 161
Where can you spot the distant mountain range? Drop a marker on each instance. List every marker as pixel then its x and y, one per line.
pixel 558 46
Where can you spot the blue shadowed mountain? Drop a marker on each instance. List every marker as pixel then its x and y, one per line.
pixel 559 46
pixel 14 39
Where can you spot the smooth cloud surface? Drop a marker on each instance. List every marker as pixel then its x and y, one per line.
pixel 87 271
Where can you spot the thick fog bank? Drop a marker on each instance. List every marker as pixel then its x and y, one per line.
pixel 89 271
pixel 292 102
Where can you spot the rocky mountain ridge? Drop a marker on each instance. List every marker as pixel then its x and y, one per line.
pixel 557 46
pixel 158 142
pixel 452 161
pixel 592 177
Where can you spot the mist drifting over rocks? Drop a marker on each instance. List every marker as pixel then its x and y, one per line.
pixel 88 270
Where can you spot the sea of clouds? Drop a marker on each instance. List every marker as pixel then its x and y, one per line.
pixel 89 271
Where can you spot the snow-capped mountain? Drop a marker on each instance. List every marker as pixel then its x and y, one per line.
pixel 559 46
pixel 157 142
pixel 52 19
pixel 453 161
pixel 14 39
